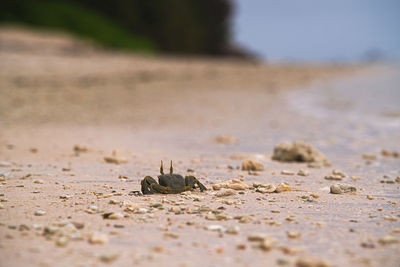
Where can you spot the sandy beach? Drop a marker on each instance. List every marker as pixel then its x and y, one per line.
pixel 65 106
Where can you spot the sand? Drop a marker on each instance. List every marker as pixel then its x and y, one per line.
pixel 56 93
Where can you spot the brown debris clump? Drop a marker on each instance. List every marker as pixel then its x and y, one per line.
pixel 298 152
pixel 249 165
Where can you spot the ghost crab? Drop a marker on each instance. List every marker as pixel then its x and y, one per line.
pixel 170 183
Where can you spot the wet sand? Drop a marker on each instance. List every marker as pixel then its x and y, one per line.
pixel 55 94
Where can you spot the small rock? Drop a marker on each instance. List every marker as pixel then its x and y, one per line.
pixel 303 173
pixel 387 153
pixel 268 243
pixel 108 258
pixel 341 188
pixel 40 213
pixel 293 234
pixel 249 165
pixel 215 227
pixel 311 262
pixel 370 197
pixel 233 230
pixel 38 181
pixel 62 241
pixel 387 240
pixel 369 156
pixel 225 140
pixel 286 172
pixel 113 215
pixel 98 238
pixel 5 164
pixel 225 192
pixel 256 237
pixel 115 158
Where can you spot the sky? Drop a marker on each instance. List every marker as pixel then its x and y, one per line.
pixel 319 30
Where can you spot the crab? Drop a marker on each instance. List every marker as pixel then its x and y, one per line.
pixel 170 183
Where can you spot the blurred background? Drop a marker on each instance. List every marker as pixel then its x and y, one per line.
pixel 277 31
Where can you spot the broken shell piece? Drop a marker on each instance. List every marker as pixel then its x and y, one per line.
pixel 341 188
pixel 226 192
pixel 232 184
pixel 249 165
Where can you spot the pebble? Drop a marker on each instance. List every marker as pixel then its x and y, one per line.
pixel 215 227
pixel 341 188
pixel 293 234
pixel 268 243
pixel 113 215
pixel 62 241
pixel 370 197
pixel 303 173
pixel 98 238
pixel 249 165
pixel 5 164
pixel 225 139
pixel 108 258
pixel 233 230
pixel 225 193
pixel 38 181
pixel 40 213
pixel 387 240
pixel 1 206
pixel 311 262
pixel 115 158
pixel 286 172
pixel 256 237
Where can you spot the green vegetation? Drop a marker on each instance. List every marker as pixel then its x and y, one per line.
pixel 75 19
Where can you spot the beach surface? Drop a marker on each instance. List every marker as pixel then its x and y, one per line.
pixel 81 127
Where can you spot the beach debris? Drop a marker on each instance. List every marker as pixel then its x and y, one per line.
pixel 298 152
pixel 341 188
pixel 250 165
pixel 225 140
pixel 115 158
pixel 265 243
pixel 231 184
pixel 38 181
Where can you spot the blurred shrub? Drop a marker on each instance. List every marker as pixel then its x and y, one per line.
pixel 75 19
pixel 174 26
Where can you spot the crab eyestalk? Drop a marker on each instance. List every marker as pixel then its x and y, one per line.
pixel 171 170
pixel 161 168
